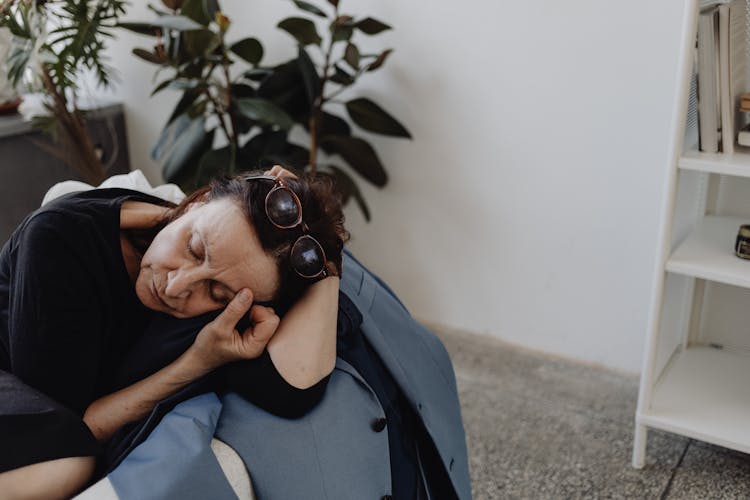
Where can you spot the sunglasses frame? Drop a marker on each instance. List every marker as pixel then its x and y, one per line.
pixel 279 183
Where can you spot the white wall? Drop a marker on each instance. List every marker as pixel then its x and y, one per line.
pixel 526 207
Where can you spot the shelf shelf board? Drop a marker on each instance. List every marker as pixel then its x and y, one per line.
pixel 708 252
pixel 736 164
pixel 703 393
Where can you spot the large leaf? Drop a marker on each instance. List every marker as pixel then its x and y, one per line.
pixel 200 11
pixel 346 186
pixel 178 23
pixel 285 87
pixel 265 111
pixel 309 75
pixel 303 30
pixel 333 125
pixel 169 135
pixel 359 155
pixel 185 146
pixel 248 49
pixel 351 55
pixel 187 175
pixel 371 26
pixel 372 117
pixel 330 125
pixel 201 42
pixel 307 6
pixel 342 29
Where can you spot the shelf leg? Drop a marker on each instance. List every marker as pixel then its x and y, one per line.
pixel 639 446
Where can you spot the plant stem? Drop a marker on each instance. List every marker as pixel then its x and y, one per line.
pixel 233 139
pixel 317 112
pixel 80 154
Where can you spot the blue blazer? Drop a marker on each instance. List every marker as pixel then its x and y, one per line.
pixel 332 452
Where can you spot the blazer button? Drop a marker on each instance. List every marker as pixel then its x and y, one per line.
pixel 387 497
pixel 378 425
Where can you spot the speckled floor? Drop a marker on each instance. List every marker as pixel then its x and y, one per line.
pixel 540 427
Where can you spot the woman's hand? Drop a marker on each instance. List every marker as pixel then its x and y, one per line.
pixel 279 171
pixel 219 342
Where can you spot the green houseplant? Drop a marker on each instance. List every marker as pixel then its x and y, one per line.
pixel 57 56
pixel 253 110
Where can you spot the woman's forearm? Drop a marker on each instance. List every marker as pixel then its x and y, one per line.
pixel 303 349
pixel 107 414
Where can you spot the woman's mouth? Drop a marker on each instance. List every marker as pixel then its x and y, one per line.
pixel 158 298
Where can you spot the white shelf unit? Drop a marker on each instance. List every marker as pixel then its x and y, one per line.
pixel 690 385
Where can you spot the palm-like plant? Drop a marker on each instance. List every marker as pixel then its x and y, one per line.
pixel 58 56
pixel 254 111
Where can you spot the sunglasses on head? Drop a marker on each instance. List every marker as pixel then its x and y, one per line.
pixel 284 210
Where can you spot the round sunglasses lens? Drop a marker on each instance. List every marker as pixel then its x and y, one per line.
pixel 282 208
pixel 307 257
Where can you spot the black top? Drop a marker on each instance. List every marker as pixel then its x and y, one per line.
pixel 72 327
pixel 408 441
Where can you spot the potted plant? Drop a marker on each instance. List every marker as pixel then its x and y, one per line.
pixel 56 40
pixel 227 118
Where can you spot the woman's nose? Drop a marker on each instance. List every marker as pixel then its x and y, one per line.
pixel 180 283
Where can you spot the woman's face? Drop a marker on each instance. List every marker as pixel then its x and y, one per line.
pixel 197 263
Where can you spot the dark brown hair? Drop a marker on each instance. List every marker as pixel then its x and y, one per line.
pixel 321 211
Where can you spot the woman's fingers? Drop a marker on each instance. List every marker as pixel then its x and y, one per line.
pixel 235 310
pixel 280 171
pixel 265 323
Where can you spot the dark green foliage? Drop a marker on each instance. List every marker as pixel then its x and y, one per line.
pixel 302 29
pixel 248 49
pixel 371 26
pixel 359 155
pixel 256 110
pixel 372 117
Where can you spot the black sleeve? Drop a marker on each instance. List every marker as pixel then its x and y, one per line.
pixel 258 381
pixel 55 317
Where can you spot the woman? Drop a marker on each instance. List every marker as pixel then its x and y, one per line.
pixel 388 426
pixel 82 279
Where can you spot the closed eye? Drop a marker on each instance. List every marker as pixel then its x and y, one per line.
pixel 193 252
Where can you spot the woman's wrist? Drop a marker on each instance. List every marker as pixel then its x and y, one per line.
pixel 195 363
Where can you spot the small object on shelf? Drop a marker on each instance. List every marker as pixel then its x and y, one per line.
pixel 745 102
pixel 743 138
pixel 742 243
pixel 9 107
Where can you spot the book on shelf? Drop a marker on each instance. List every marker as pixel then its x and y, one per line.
pixel 708 80
pixel 732 70
pixel 721 64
